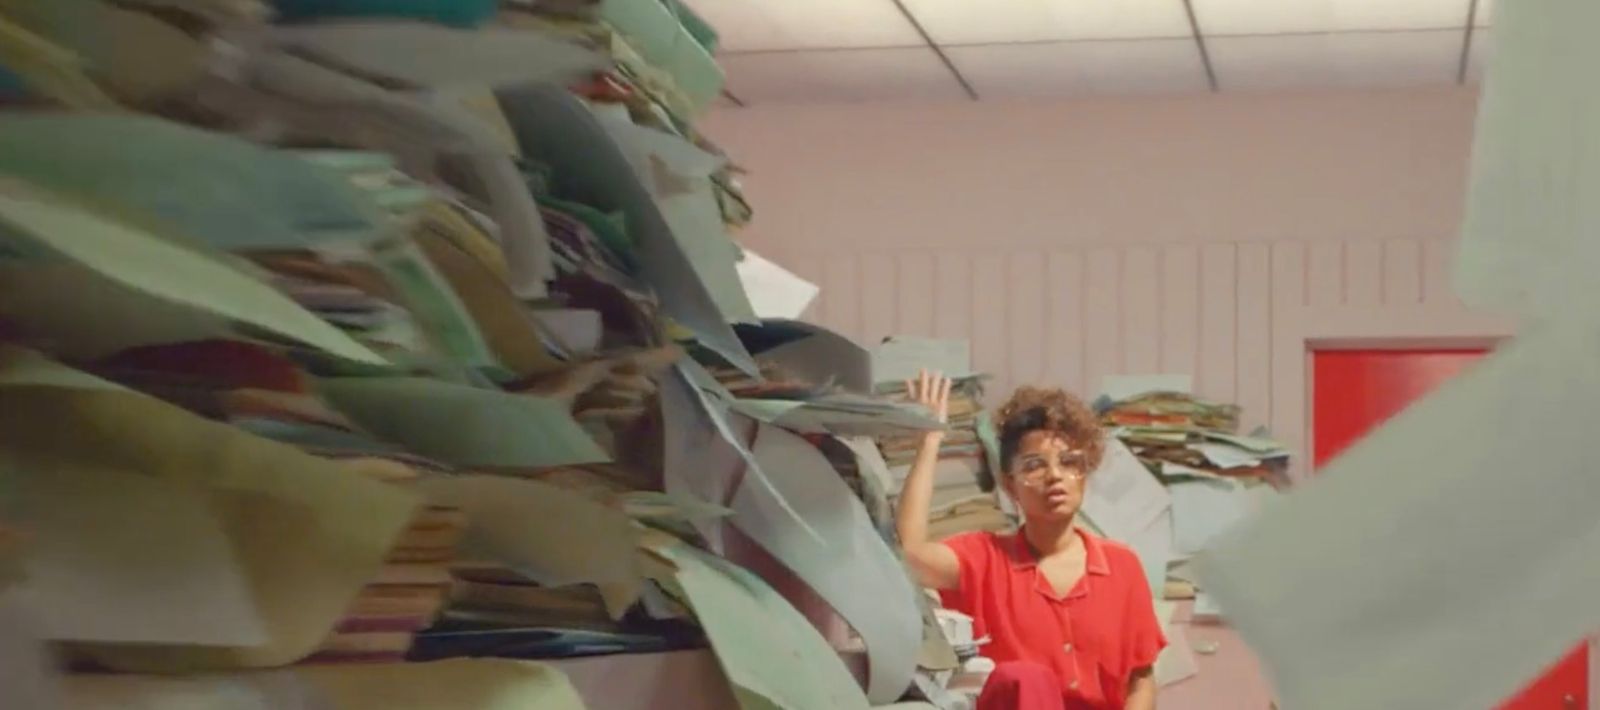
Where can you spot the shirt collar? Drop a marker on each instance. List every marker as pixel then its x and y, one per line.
pixel 1022 556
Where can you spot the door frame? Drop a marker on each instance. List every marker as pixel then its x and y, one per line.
pixel 1299 331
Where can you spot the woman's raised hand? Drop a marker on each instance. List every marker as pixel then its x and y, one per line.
pixel 931 390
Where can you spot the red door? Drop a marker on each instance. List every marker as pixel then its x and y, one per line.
pixel 1355 390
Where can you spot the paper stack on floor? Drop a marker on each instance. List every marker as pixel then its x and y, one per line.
pixel 965 497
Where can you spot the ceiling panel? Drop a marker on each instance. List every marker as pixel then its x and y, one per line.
pixel 1478 56
pixel 853 75
pixel 1355 59
pixel 991 21
pixel 1069 69
pixel 746 25
pixel 1248 17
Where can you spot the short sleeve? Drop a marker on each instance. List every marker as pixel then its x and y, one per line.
pixel 972 550
pixel 1141 627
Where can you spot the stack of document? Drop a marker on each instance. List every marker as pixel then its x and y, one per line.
pixel 965 498
pixel 1177 434
pixel 1188 461
pixel 366 338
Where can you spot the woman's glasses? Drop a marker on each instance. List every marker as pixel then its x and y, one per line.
pixel 1036 470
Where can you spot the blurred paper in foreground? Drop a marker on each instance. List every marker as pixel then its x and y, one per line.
pixel 1443 561
pixel 1529 242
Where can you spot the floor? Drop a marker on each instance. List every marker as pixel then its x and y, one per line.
pixel 1229 679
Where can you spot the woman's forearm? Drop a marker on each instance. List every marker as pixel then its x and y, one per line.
pixel 1141 691
pixel 916 494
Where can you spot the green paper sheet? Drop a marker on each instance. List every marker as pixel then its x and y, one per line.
pixel 158 268
pixel 773 656
pixel 465 426
pixel 204 186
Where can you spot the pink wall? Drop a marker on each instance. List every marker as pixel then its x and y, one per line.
pixel 1228 167
pixel 1211 235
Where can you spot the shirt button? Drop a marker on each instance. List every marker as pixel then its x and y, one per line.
pixel 1067 648
pixel 1072 686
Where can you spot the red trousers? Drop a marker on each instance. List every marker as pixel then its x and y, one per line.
pixel 1022 685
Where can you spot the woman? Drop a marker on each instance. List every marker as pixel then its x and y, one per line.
pixel 1069 616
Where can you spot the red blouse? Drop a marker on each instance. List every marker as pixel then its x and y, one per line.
pixel 1094 638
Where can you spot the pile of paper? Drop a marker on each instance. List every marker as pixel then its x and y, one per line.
pixel 965 497
pixel 389 335
pixel 1178 435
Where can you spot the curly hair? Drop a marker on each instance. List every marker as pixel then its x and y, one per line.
pixel 1032 409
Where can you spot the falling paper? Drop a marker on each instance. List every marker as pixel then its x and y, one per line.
pixel 1121 495
pixel 1126 503
pixel 788 665
pixel 462 425
pixel 215 189
pixel 1354 599
pixel 1527 242
pixel 774 291
pixel 152 267
pixel 553 126
pixel 853 568
pixel 1203 509
pixel 1176 662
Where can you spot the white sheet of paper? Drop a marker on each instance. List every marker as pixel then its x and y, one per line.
pixel 1205 608
pixel 433 56
pixel 1203 509
pixel 1122 495
pixel 122 557
pixel 1350 589
pixel 901 357
pixel 1177 661
pixel 1153 544
pixel 775 292
pixel 1225 456
pixel 1527 242
pixel 1120 387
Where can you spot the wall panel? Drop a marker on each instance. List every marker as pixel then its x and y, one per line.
pixel 1231 314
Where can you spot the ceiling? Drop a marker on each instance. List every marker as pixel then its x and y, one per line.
pixel 787 51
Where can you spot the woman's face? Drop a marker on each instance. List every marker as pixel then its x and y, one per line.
pixel 1046 477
